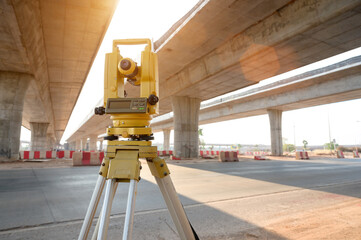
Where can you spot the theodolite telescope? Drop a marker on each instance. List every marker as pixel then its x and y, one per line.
pixel 131 119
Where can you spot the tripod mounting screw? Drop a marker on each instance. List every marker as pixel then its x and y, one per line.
pixel 165 174
pixel 140 167
pixel 139 178
pixel 103 164
pixel 153 99
pixel 100 173
pixel 161 165
pixel 99 111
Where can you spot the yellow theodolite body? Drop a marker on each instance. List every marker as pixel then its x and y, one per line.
pixel 131 116
pixel 145 76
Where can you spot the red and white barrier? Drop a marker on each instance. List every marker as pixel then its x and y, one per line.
pixel 87 158
pixel 208 153
pixel 340 154
pixel 302 155
pixel 356 154
pixel 228 156
pixel 259 157
pixel 259 153
pixel 45 154
pixel 165 153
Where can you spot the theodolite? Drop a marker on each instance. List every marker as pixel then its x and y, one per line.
pixel 131 121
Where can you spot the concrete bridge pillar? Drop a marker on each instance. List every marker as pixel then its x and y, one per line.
pixel 50 141
pixel 166 138
pixel 84 142
pixel 93 142
pixel 38 136
pixel 13 87
pixel 186 112
pixel 78 145
pixel 275 119
pixel 101 145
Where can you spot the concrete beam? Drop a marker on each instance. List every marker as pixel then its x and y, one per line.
pixel 336 83
pixel 13 87
pixel 285 39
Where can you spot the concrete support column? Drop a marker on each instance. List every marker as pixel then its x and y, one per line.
pixel 38 140
pixel 186 112
pixel 13 87
pixel 50 141
pixel 275 119
pixel 78 146
pixel 166 139
pixel 84 144
pixel 93 142
pixel 101 145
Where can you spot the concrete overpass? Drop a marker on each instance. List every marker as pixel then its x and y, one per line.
pixel 46 51
pixel 335 83
pixel 222 46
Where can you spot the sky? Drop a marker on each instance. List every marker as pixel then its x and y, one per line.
pixel 151 19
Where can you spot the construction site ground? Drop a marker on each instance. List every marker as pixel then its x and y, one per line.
pixel 279 198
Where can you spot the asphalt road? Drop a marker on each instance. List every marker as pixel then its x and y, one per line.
pixel 221 199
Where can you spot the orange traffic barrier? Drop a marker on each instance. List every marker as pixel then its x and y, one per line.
pixel 302 155
pixel 77 158
pixel 340 154
pixel 259 158
pixel 228 156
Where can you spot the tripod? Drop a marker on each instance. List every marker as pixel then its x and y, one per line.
pixel 131 119
pixel 125 167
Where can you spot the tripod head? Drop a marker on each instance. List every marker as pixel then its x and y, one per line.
pixel 131 116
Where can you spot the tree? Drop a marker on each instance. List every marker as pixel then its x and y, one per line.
pixel 331 145
pixel 304 144
pixel 288 147
pixel 200 132
pixel 200 141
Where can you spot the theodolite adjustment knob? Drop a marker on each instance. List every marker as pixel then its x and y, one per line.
pixel 99 111
pixel 153 99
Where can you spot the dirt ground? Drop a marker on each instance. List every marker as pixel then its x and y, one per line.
pixel 45 163
pixel 339 221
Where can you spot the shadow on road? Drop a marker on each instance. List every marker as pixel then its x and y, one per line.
pixel 36 197
pixel 301 174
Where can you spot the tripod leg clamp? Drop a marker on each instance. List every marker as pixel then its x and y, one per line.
pixel 158 167
pixel 103 171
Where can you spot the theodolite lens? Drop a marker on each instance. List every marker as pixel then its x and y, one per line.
pixel 125 64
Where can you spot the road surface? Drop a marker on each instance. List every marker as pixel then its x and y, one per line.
pixel 278 199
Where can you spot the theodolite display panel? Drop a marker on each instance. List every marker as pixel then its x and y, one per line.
pixel 126 105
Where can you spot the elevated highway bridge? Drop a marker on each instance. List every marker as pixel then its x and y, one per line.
pixel 47 48
pixel 220 47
